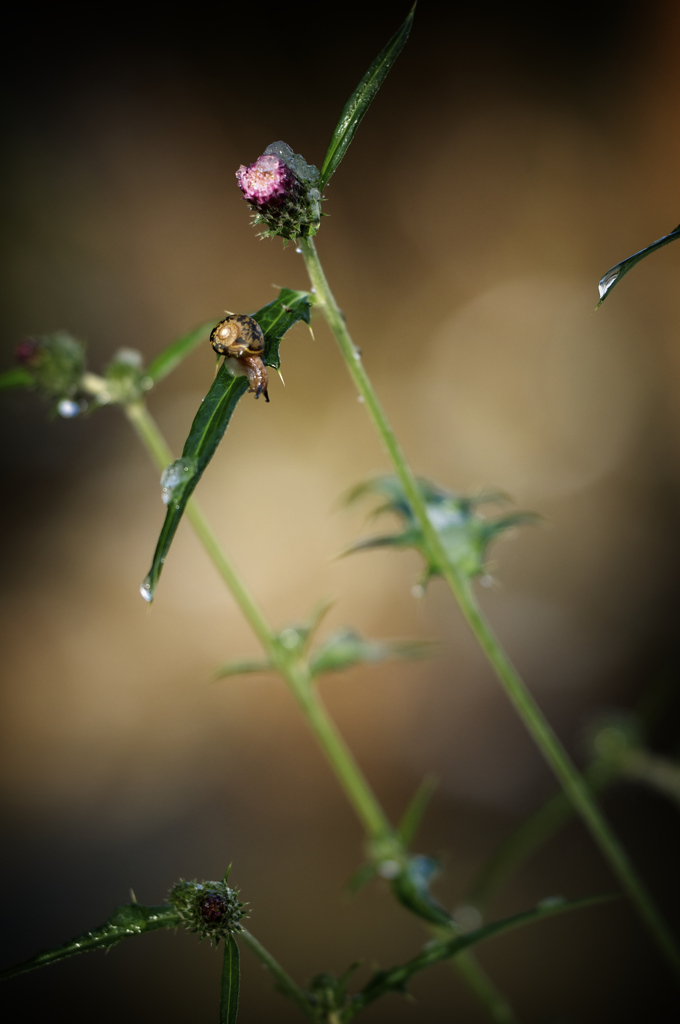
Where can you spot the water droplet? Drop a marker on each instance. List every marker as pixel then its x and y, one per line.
pixel 608 281
pixel 129 357
pixel 486 580
pixel 418 590
pixel 173 475
pixel 68 408
pixel 468 918
pixel 290 638
pixel 298 249
pixel 145 591
pixel 551 901
pixel 360 398
pixel 357 354
pixel 313 290
pixel 389 868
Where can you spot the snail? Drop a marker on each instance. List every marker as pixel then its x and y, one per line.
pixel 240 340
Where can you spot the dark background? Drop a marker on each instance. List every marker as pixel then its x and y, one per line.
pixel 515 153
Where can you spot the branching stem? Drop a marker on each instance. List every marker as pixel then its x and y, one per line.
pixel 526 707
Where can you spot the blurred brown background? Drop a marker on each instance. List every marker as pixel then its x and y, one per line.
pixel 513 156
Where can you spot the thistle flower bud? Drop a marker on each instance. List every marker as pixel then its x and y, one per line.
pixel 211 909
pixel 267 182
pixel 55 361
pixel 281 190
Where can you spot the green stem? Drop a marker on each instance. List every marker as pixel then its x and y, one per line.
pixel 283 980
pixel 533 718
pixel 467 965
pixel 297 676
pixel 295 672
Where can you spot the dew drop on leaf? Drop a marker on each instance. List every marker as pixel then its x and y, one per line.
pixel 607 281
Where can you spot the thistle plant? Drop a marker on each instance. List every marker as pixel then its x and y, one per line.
pixel 452 534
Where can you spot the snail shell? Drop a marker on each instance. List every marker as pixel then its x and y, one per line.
pixel 238 337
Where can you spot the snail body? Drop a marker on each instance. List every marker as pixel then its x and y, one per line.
pixel 240 340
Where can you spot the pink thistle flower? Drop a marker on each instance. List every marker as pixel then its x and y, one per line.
pixel 266 182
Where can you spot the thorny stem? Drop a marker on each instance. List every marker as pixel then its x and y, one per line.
pixel 527 708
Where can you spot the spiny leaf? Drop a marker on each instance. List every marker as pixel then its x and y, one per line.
pixel 615 273
pixel 464 533
pixel 361 99
pixel 130 919
pixel 279 316
pixel 210 423
pixel 231 980
pixel 345 648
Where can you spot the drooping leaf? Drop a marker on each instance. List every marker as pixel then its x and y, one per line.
pixel 231 981
pixel 412 888
pixel 464 533
pixel 277 317
pixel 408 826
pixel 130 919
pixel 396 978
pixel 207 430
pixel 361 99
pixel 345 648
pixel 172 356
pixel 615 273
pixel 16 378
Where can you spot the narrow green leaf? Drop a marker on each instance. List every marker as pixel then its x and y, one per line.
pixel 242 668
pixel 345 648
pixel 181 477
pixel 207 430
pixel 361 99
pixel 16 378
pixel 615 273
pixel 231 980
pixel 173 355
pixel 131 919
pixel 395 979
pixel 408 826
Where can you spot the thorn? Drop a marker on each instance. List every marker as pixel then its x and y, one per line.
pixel 132 895
pixel 281 376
